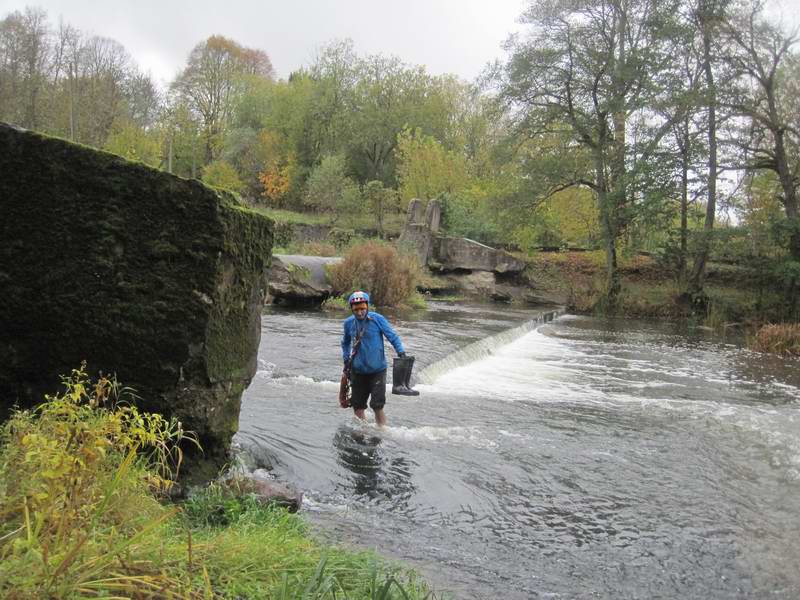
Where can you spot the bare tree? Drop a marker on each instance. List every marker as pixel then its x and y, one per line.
pixel 24 50
pixel 759 53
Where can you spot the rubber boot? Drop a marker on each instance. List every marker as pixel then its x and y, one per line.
pixel 401 376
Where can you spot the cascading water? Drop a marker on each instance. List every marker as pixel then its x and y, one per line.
pixel 482 348
pixel 563 458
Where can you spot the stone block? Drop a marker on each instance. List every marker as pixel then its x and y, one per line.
pixel 155 278
pixel 300 280
pixel 464 254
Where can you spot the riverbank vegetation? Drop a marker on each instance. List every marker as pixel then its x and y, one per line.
pixel 736 294
pixel 84 482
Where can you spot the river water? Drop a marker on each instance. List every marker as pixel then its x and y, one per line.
pixel 548 456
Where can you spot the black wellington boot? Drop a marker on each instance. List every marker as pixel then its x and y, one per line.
pixel 401 376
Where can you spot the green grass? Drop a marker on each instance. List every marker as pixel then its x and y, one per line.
pixel 289 216
pixel 256 551
pixel 336 304
pixel 83 513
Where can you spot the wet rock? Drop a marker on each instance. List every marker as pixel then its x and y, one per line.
pixel 265 490
pixel 442 253
pixel 461 253
pixel 472 283
pixel 299 280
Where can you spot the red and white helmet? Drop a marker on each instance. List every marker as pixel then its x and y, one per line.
pixel 358 297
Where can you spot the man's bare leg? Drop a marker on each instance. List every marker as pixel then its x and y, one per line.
pixel 380 417
pixel 360 413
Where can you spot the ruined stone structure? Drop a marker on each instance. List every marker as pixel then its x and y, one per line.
pixel 155 278
pixel 466 264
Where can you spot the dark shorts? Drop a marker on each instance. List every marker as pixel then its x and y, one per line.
pixel 366 385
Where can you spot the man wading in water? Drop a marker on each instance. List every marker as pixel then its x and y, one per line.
pixel 365 361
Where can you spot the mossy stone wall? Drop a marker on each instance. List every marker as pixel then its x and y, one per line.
pixel 153 277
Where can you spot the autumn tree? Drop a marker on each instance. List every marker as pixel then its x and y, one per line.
pixel 278 166
pixel 211 81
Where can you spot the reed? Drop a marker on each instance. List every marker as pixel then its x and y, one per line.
pixel 782 338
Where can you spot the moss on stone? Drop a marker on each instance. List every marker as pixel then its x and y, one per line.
pixel 156 278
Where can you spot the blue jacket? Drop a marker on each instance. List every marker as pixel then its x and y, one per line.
pixel 370 357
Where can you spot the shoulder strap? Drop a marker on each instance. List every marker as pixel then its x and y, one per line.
pixel 357 343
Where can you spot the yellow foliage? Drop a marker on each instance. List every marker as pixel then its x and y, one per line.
pixel 77 476
pixel 279 166
pixel 426 169
pixel 575 212
pixel 277 181
pixel 134 143
pixel 221 174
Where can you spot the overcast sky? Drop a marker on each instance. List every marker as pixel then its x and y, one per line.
pixel 447 36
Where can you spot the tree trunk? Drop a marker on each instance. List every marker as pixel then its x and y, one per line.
pixel 170 154
pixel 684 223
pixel 71 108
pixel 684 232
pixel 610 232
pixel 790 201
pixel 697 277
pixel 613 284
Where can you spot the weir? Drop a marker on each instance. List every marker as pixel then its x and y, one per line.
pixel 482 348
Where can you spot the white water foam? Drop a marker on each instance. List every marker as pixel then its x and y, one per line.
pixel 471 436
pixel 481 348
pixel 539 368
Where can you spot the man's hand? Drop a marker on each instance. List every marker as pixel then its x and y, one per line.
pixel 401 354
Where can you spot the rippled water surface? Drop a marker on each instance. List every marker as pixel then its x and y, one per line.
pixel 569 458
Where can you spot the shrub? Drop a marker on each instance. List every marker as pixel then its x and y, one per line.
pixel 390 278
pixel 328 189
pixel 783 338
pixel 77 510
pixel 341 238
pixel 223 175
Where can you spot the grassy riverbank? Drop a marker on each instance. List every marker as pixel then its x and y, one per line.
pixel 738 296
pixel 84 482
